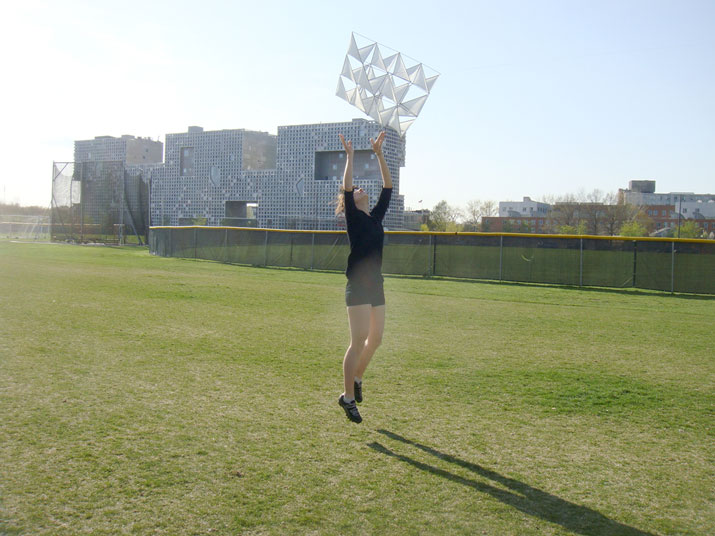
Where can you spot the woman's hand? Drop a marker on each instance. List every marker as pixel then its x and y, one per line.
pixel 377 144
pixel 348 146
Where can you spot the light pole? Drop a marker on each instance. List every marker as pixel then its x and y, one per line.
pixel 680 210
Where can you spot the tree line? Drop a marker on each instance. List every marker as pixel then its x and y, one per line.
pixel 594 213
pixel 16 209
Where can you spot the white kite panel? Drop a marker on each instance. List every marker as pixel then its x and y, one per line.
pixel 384 82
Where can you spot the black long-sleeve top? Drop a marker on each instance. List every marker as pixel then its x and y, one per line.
pixel 366 237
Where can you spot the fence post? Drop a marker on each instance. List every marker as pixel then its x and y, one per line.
pixel 312 250
pixel 196 231
pixel 672 267
pixel 429 255
pixel 433 254
pixel 265 250
pixel 225 245
pixel 635 256
pixel 580 267
pixel 501 254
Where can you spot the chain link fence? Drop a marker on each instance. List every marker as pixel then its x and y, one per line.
pixel 673 265
pixel 101 201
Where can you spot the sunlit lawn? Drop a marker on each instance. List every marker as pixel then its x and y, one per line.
pixel 146 395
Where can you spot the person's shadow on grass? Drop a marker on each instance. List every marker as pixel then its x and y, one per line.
pixel 530 500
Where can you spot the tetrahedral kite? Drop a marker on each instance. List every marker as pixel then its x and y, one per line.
pixel 391 89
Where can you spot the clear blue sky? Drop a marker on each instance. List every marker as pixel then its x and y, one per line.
pixel 535 98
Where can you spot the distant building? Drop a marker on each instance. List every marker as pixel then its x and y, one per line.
pixel 290 181
pixel 515 224
pixel 523 209
pixel 415 218
pixel 113 174
pixel 526 216
pixel 212 177
pixel 128 149
pixel 642 193
pixel 667 209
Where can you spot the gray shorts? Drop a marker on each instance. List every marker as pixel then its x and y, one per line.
pixel 364 293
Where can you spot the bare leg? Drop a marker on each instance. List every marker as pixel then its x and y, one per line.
pixel 359 320
pixel 374 338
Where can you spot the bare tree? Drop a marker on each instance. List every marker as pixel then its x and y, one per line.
pixel 472 215
pixel 489 208
pixel 564 213
pixel 617 212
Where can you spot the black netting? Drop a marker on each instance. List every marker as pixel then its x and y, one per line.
pixel 280 249
pixel 211 243
pixel 694 265
pixel 247 247
pixel 541 260
pixel 409 254
pixel 183 242
pixel 293 249
pixel 330 251
pixel 668 265
pixel 608 263
pixel 101 201
pixel 469 256
pixel 653 265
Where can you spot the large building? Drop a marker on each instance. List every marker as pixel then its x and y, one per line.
pixel 113 174
pixel 211 176
pixel 290 181
pixel 642 193
pixel 128 149
pixel 668 210
pixel 523 209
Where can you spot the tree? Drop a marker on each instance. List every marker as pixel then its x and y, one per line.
pixel 578 229
pixel 489 208
pixel 640 224
pixel 564 213
pixel 688 229
pixel 595 213
pixel 616 213
pixel 475 213
pixel 592 212
pixel 633 228
pixel 443 217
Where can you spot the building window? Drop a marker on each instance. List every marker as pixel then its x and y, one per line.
pixel 187 161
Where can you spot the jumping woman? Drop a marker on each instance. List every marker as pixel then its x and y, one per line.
pixel 364 295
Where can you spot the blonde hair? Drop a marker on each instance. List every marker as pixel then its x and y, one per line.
pixel 340 202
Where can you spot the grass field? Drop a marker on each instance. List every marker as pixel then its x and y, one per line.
pixel 148 395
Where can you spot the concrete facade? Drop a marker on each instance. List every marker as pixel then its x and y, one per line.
pixel 128 149
pixel 113 173
pixel 288 181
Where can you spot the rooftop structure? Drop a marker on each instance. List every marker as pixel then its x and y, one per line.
pixel 128 149
pixel 642 193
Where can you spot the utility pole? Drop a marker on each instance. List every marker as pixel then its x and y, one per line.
pixel 680 210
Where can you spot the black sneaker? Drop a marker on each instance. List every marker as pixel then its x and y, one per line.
pixel 350 409
pixel 358 392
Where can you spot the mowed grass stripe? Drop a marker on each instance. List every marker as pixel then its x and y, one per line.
pixel 151 395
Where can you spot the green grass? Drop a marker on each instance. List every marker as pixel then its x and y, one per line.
pixel 148 395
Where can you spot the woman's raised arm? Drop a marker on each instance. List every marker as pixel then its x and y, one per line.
pixel 384 171
pixel 348 174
